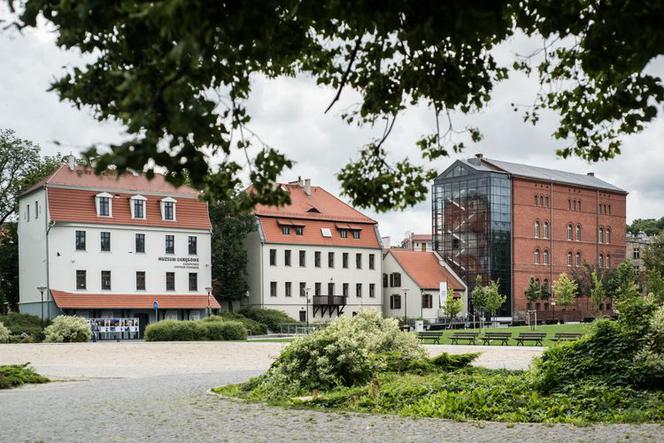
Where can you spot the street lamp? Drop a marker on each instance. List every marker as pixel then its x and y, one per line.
pixel 553 305
pixel 209 291
pixel 405 306
pixel 41 290
pixel 306 293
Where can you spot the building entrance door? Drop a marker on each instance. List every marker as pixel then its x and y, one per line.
pixel 142 323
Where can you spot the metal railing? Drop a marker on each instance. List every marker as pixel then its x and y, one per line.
pixel 299 328
pixel 329 300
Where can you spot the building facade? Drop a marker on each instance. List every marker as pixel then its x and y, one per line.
pixel 417 242
pixel 315 259
pixel 103 246
pixel 510 222
pixel 415 284
pixel 635 246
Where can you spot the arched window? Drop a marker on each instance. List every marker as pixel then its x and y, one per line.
pixel 537 229
pixel 609 209
pixel 545 284
pixel 578 259
pixel 569 232
pixel 601 234
pixel 579 205
pixel 541 201
pixel 536 201
pixel 608 261
pixel 578 232
pixel 569 202
pixel 608 235
pixel 546 201
pixel 546 230
pixel 545 257
pixel 537 256
pixel 574 205
pixel 569 259
pixel 601 261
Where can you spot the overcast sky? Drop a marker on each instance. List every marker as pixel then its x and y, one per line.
pixel 288 115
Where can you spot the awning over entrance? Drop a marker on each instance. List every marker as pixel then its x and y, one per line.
pixel 69 300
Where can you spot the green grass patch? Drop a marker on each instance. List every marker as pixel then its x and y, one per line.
pixel 550 330
pixel 12 376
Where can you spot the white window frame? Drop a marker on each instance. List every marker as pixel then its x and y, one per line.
pixel 145 207
pixel 98 197
pixel 163 208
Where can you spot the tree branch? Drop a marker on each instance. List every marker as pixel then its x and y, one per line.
pixel 344 78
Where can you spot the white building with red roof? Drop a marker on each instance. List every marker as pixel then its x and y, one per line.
pixel 417 242
pixel 415 284
pixel 108 246
pixel 315 259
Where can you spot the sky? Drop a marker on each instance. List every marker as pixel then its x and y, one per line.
pixel 288 114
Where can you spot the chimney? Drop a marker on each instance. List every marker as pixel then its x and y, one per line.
pixel 592 174
pixel 307 186
pixel 479 156
pixel 71 162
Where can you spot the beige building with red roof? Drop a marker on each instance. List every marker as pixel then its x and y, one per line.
pixel 104 246
pixel 315 259
pixel 415 284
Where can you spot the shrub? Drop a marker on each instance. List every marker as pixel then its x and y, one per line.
pixel 67 329
pixel 19 323
pixel 271 318
pixel 225 330
pixel 256 328
pixel 4 333
pixel 17 375
pixel 452 362
pixel 349 351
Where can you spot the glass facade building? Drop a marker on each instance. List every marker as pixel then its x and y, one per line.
pixel 472 225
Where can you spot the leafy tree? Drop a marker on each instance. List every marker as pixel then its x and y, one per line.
pixel 494 300
pixel 9 266
pixel 655 286
pixel 653 255
pixel 564 290
pixel 534 291
pixel 649 226
pixel 452 305
pixel 230 226
pixel 178 74
pixel 544 292
pixel 597 293
pixel 623 276
pixel 478 295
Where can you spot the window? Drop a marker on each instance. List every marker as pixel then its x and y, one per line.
pixel 358 290
pixel 395 301
pixel 608 261
pixel 317 289
pixel 578 259
pixel 81 279
pixel 569 232
pixel 273 289
pixel 569 259
pixel 80 240
pixel 343 233
pixel 27 212
pixel 193 245
pixel 273 257
pixel 601 235
pixel 285 230
pixel 344 260
pixel 193 281
pixel 330 289
pixel 137 207
pixel 395 280
pixel 574 205
pixel 326 232
pixel 608 236
pixel 344 288
pixel 569 203
pixel 578 232
pixel 299 230
pixel 536 201
pixel 140 243
pixel 546 201
pixel 537 229
pixel 287 257
pixel 170 281
pixel 372 290
pixel 317 259
pixel 36 210
pixel 537 256
pixel 330 259
pixel 105 238
pixel 385 280
pixel 358 261
pixel 288 289
pixel 356 234
pixel 104 205
pixel 168 208
pixel 303 258
pixel 546 230
pixel 600 261
pixel 140 280
pixel 170 244
pixel 303 316
pixel 427 301
pixel 303 289
pixel 545 257
pixel 636 254
pixel 545 284
pixel 372 261
pixel 106 280
pixel 541 201
pixel 609 209
pixel 579 202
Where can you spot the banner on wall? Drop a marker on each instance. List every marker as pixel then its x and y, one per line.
pixel 442 295
pixel 108 325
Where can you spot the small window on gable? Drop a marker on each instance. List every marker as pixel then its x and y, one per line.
pixel 104 204
pixel 326 232
pixel 314 210
pixel 168 209
pixel 285 230
pixel 299 230
pixel 356 234
pixel 343 233
pixel 137 206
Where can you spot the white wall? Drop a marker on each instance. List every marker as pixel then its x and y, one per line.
pixel 123 261
pixel 32 247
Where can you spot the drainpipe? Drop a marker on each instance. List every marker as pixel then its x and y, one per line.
pixel 48 226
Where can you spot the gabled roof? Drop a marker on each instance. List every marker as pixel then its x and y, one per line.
pixel 426 269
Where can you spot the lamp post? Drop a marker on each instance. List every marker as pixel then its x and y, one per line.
pixel 553 305
pixel 306 293
pixel 209 308
pixel 405 306
pixel 41 290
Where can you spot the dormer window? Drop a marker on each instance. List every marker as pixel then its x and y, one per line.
pixel 343 233
pixel 137 206
pixel 285 230
pixel 356 234
pixel 299 230
pixel 168 208
pixel 104 204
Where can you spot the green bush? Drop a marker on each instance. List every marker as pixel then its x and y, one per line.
pixel 452 362
pixel 4 333
pixel 17 375
pixel 271 318
pixel 251 325
pixel 225 330
pixel 67 329
pixel 213 328
pixel 20 323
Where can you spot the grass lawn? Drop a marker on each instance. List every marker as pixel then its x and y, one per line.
pixel 515 330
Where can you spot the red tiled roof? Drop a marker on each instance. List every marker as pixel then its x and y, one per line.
pixel 69 300
pixel 425 269
pixel 312 234
pixel 86 178
pixel 78 206
pixel 421 237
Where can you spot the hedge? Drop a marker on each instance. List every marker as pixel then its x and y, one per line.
pixel 271 318
pixel 195 330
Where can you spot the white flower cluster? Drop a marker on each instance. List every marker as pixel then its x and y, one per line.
pixel 67 328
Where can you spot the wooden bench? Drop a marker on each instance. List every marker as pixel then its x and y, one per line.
pixel 566 336
pixel 429 335
pixel 470 336
pixel 536 337
pixel 502 337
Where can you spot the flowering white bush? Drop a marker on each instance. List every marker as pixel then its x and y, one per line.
pixel 4 333
pixel 349 351
pixel 67 328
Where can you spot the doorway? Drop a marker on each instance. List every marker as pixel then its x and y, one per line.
pixel 143 320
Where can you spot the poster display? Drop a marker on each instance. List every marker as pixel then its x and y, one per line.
pixel 114 325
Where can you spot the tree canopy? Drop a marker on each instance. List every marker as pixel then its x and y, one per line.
pixel 177 75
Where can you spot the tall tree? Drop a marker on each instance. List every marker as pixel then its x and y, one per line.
pixel 564 290
pixel 494 299
pixel 230 226
pixel 533 292
pixel 178 75
pixel 478 296
pixel 452 305
pixel 9 266
pixel 653 255
pixel 597 293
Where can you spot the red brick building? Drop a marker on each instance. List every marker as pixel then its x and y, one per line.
pixel 533 222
